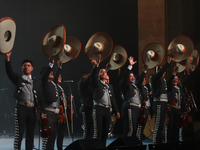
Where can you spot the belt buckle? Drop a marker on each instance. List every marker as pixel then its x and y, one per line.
pixel 57 111
pixel 29 105
pixel 177 107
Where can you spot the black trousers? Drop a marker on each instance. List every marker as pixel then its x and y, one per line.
pixel 60 136
pixel 25 118
pixel 48 143
pixel 133 113
pixel 160 115
pixel 130 116
pixel 86 114
pixel 101 118
pixel 172 127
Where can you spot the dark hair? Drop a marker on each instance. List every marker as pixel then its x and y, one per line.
pixel 85 72
pixel 138 77
pixel 27 60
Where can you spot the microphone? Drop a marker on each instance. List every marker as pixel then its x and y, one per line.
pixel 68 81
pixel 4 89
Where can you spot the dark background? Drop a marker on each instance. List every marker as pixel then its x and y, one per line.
pixel 81 18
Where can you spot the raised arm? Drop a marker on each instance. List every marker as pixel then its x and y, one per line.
pixel 95 62
pixel 142 76
pixel 11 74
pixel 125 80
pixel 48 70
pixel 163 69
pixel 58 72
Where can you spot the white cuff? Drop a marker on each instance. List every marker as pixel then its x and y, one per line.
pixel 130 67
pixel 50 65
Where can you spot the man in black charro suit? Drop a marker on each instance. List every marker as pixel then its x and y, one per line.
pixel 149 86
pixel 132 99
pixel 160 100
pixel 29 97
pixel 51 102
pixel 103 101
pixel 145 111
pixel 85 92
pixel 175 90
pixel 62 123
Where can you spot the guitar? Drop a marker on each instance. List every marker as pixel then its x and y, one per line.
pixel 62 117
pixel 173 103
pixel 45 129
pixel 149 126
pixel 182 120
pixel 63 112
pixel 143 114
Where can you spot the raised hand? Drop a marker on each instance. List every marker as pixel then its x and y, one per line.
pixel 169 59
pixel 144 67
pixel 59 64
pixel 8 55
pixel 118 115
pixel 96 61
pixel 131 61
pixel 175 69
pixel 51 59
pixel 189 71
pixel 108 66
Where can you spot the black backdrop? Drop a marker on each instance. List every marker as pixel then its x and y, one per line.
pixel 81 18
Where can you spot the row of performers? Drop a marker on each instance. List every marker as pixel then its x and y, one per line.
pixel 141 102
pixel 97 102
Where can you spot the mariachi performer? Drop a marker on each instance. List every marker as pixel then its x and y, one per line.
pixel 63 119
pixel 85 92
pixel 175 92
pixel 53 42
pixel 132 98
pixel 149 86
pixel 145 110
pixel 28 98
pixel 160 100
pixel 27 88
pixel 103 101
pixel 52 103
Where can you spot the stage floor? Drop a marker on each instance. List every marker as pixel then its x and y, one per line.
pixel 6 142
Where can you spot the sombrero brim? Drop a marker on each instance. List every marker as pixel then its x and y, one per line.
pixel 99 37
pixel 119 50
pixel 76 48
pixel 183 65
pixel 158 49
pixel 186 42
pixel 48 49
pixel 7 25
pixel 195 62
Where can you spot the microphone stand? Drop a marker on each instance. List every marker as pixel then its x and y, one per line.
pixel 73 109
